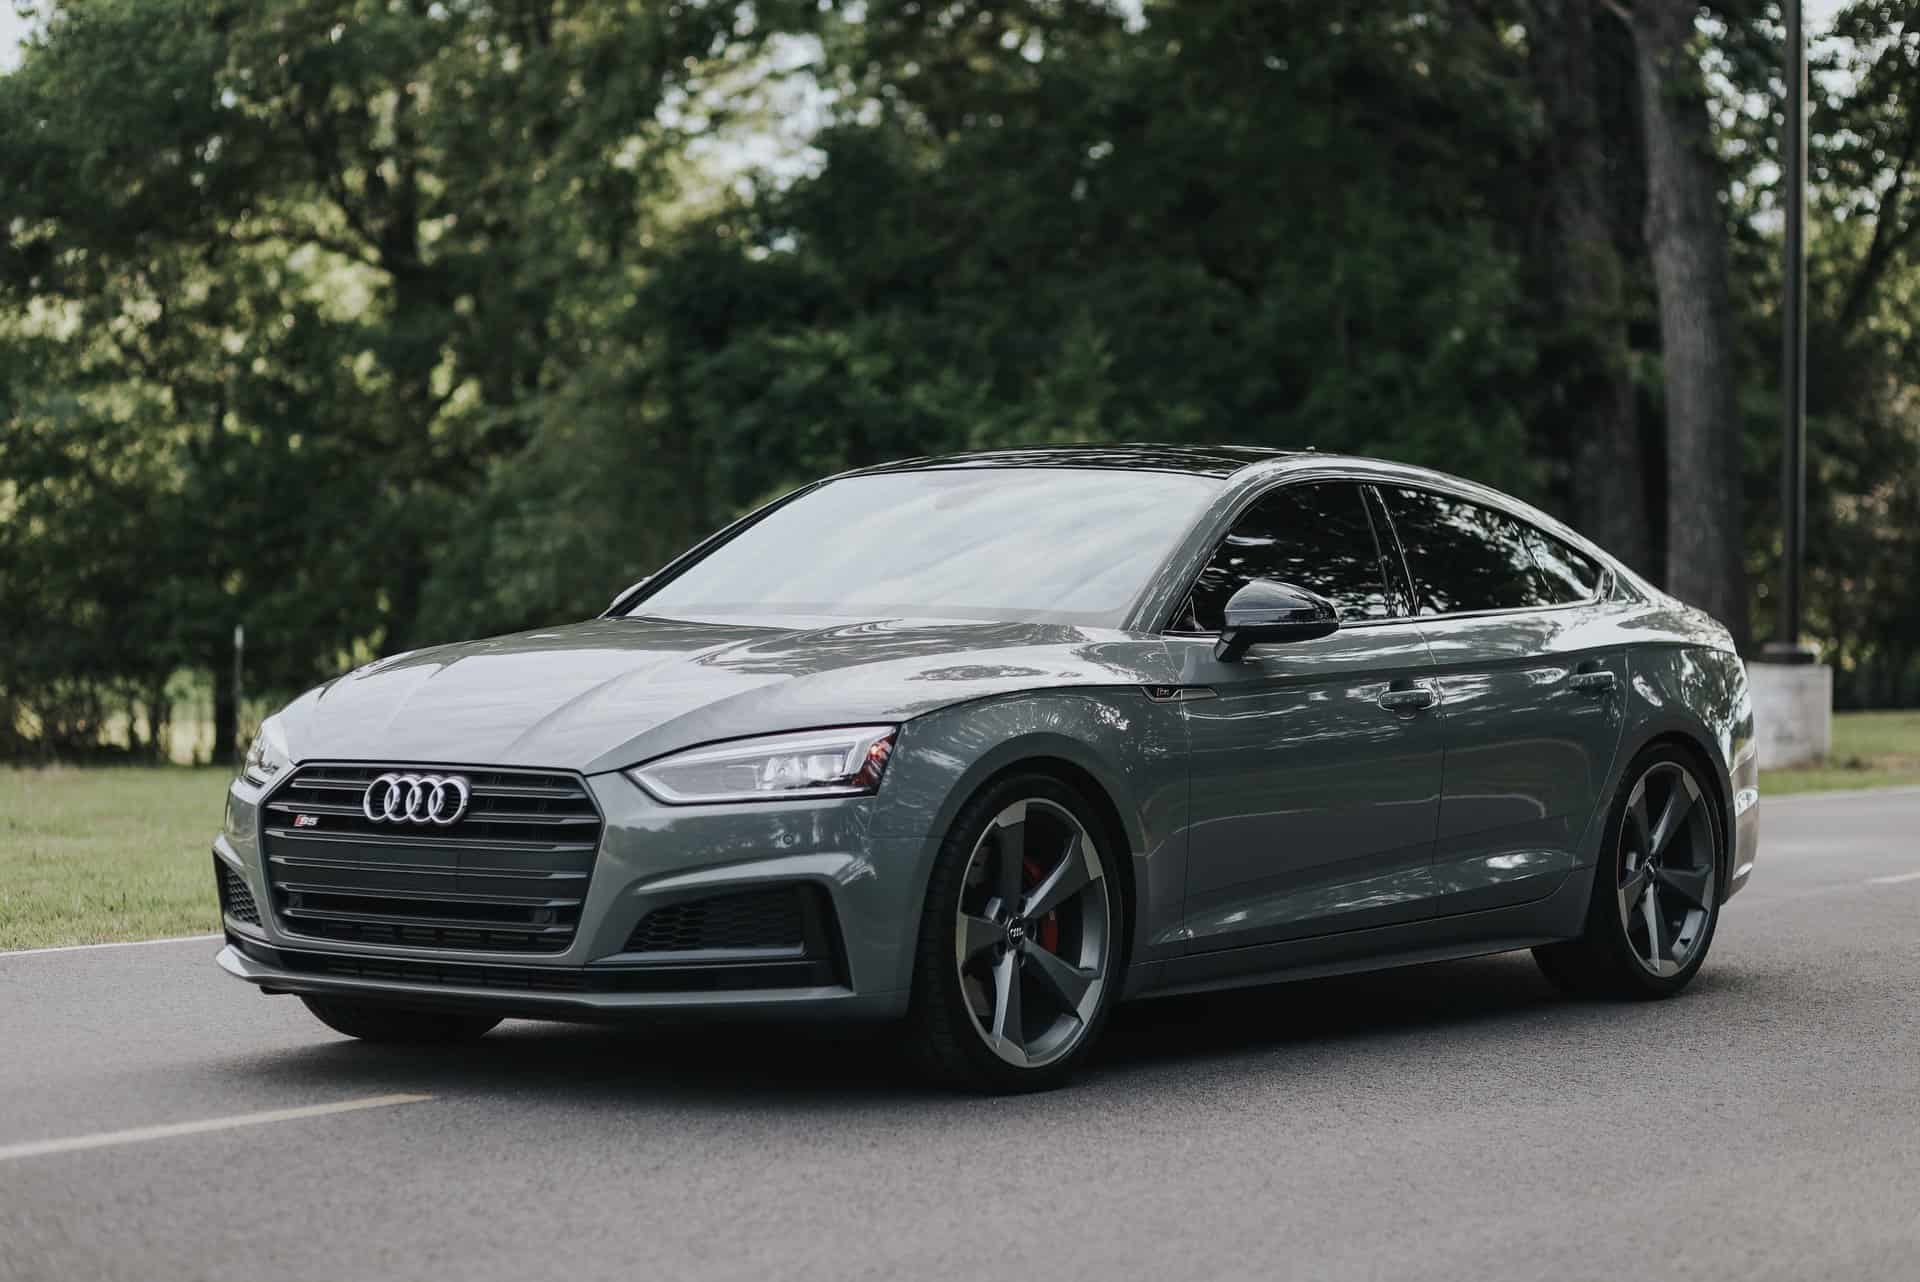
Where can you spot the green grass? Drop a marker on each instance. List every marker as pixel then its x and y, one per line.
pixel 88 856
pixel 1870 750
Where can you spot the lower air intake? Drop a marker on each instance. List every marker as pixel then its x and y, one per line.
pixel 236 901
pixel 791 920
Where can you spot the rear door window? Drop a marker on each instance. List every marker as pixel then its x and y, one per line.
pixel 1571 576
pixel 1464 557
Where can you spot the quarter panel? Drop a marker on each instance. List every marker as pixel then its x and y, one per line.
pixel 1701 692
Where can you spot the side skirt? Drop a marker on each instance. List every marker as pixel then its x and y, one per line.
pixel 1560 915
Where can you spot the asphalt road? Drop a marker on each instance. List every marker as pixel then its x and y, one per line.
pixel 1454 1121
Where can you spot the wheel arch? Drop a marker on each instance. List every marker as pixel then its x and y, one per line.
pixel 1693 744
pixel 1694 697
pixel 1123 753
pixel 1106 815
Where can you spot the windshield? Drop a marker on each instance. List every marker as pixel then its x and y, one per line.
pixel 1064 545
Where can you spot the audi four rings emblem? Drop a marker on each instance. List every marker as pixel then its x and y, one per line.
pixel 416 799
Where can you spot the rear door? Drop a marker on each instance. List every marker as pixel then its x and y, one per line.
pixel 1313 805
pixel 1532 681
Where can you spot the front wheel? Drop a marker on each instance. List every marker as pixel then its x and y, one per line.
pixel 376 1022
pixel 1656 892
pixel 1019 944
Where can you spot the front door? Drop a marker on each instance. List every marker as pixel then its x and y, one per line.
pixel 1313 804
pixel 1532 676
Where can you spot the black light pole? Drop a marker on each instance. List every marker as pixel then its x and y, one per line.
pixel 1787 646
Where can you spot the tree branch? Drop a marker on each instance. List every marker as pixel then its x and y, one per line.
pixel 1887 237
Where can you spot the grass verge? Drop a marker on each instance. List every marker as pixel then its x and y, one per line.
pixel 1870 750
pixel 92 856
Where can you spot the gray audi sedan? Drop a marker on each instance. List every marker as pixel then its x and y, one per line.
pixel 986 744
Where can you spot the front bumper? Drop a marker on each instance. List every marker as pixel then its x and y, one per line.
pixel 650 856
pixel 589 994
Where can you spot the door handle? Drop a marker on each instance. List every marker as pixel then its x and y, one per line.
pixel 1408 699
pixel 1597 681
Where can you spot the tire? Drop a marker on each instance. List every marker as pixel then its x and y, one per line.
pixel 1628 950
pixel 398 1025
pixel 1060 952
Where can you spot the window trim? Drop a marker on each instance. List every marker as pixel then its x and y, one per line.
pixel 1606 590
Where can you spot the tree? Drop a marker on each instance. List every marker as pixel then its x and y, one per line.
pixel 1686 235
pixel 1586 152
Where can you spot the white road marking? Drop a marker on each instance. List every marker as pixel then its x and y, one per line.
pixel 105 1139
pixel 125 943
pixel 1894 880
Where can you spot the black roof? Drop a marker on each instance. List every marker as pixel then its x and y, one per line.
pixel 1199 460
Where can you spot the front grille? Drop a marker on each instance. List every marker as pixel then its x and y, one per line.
pixel 236 901
pixel 508 876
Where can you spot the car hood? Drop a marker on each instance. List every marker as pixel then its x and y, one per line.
pixel 608 693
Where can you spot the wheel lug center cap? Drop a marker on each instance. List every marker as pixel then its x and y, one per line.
pixel 1016 931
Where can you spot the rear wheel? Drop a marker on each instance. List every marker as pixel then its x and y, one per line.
pixel 375 1022
pixel 1656 892
pixel 1020 941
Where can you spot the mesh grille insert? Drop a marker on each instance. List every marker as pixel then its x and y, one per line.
pixel 784 918
pixel 236 901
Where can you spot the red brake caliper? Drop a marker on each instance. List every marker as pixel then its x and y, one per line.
pixel 1046 931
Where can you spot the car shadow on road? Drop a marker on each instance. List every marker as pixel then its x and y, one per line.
pixel 827 1065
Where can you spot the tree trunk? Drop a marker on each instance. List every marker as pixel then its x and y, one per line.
pixel 226 713
pixel 1687 241
pixel 1609 484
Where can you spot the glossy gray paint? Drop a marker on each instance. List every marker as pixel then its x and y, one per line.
pixel 1313 806
pixel 1274 818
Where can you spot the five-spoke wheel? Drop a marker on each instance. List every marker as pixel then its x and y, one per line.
pixel 1649 936
pixel 1019 944
pixel 1031 932
pixel 1666 868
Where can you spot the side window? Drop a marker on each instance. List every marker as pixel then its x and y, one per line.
pixel 1464 557
pixel 1571 576
pixel 1316 537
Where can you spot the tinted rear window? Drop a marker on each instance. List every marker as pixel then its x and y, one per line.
pixel 1571 576
pixel 1464 557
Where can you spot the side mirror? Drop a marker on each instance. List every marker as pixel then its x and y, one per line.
pixel 1266 611
pixel 626 594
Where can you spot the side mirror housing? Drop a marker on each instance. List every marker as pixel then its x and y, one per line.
pixel 626 595
pixel 1266 611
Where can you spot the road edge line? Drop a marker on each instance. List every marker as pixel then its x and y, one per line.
pixel 117 943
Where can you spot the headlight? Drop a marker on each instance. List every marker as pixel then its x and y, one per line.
pixel 813 763
pixel 268 755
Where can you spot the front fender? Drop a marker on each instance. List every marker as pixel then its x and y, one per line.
pixel 1132 748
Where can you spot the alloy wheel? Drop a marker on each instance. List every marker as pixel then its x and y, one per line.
pixel 1034 933
pixel 1666 869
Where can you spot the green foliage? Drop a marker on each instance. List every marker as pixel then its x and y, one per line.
pixel 367 323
